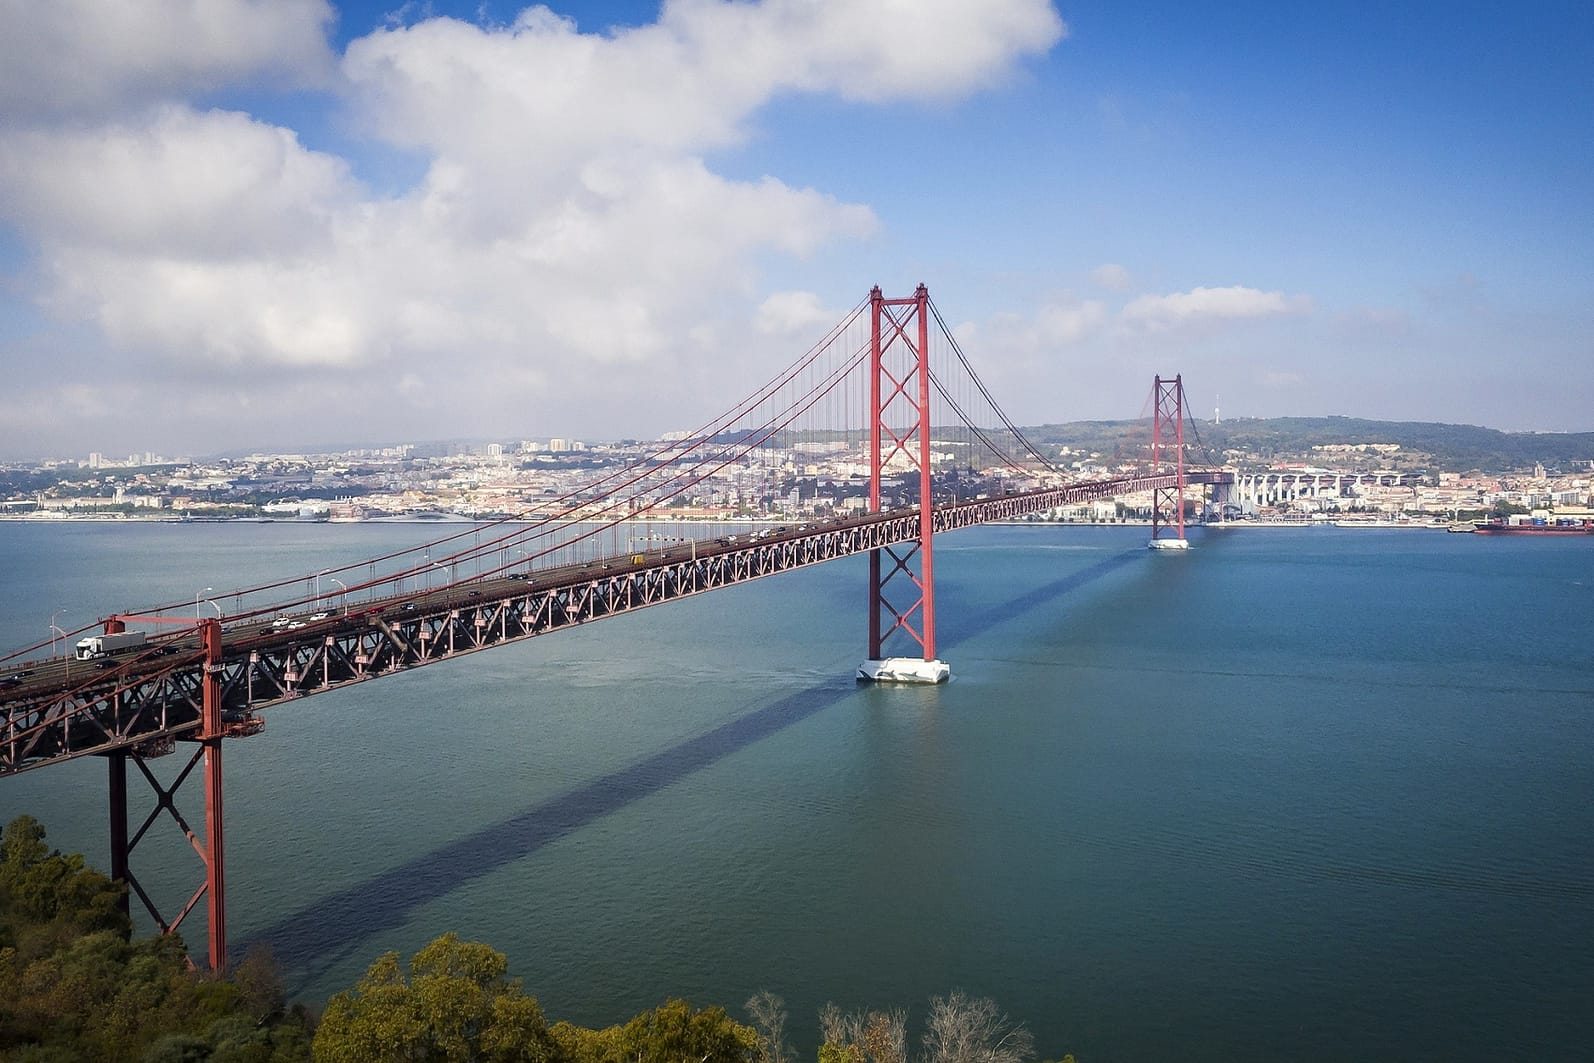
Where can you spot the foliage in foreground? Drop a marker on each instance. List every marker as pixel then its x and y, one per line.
pixel 75 986
pixel 456 1004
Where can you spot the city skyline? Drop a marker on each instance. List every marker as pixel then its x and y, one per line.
pixel 288 224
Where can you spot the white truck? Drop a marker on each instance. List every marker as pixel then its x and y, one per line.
pixel 104 645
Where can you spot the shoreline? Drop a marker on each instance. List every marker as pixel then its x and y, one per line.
pixel 119 518
pixel 1239 524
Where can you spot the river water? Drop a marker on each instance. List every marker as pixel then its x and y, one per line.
pixel 1308 794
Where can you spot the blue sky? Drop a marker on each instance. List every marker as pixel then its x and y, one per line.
pixel 303 222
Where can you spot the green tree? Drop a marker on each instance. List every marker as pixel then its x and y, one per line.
pixel 673 1032
pixel 455 1005
pixel 74 985
pixel 46 898
pixel 670 1033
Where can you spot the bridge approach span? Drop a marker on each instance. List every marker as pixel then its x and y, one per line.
pixel 67 708
pixel 206 681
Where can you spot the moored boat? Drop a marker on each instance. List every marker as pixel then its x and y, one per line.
pixel 1535 527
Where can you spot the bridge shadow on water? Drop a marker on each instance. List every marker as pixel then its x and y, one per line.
pixel 316 938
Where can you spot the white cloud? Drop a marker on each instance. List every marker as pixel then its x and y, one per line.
pixel 566 222
pixel 1058 325
pixel 249 315
pixel 173 183
pixel 91 56
pixel 525 108
pixel 1061 322
pixel 792 313
pixel 1205 304
pixel 1112 276
pixel 871 50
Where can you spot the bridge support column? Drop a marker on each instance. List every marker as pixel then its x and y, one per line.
pixel 116 762
pixel 210 737
pixel 899 436
pixel 1167 433
pixel 209 847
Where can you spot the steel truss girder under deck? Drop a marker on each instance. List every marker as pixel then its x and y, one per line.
pixel 157 699
pixel 140 707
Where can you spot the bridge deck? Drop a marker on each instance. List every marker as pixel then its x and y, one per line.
pixel 64 708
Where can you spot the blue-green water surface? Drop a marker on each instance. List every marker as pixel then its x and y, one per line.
pixel 1300 794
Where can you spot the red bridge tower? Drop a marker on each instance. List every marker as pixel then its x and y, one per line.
pixel 900 598
pixel 1167 435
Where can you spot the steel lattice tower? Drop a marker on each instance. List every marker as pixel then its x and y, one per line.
pixel 899 435
pixel 1167 434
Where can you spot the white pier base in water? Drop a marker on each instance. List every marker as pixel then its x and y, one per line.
pixel 1168 544
pixel 904 670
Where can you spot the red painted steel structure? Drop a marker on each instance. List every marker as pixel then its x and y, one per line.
pixel 210 847
pixel 209 687
pixel 899 415
pixel 204 683
pixel 1167 433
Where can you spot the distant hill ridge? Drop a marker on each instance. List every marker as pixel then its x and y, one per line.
pixel 1423 444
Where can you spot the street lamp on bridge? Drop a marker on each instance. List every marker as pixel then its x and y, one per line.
pixel 55 632
pixel 199 596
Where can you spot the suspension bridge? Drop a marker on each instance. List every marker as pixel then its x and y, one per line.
pixel 888 389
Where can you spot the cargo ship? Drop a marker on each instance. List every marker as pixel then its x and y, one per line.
pixel 1538 526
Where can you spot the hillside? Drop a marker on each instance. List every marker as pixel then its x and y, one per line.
pixel 1423 445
